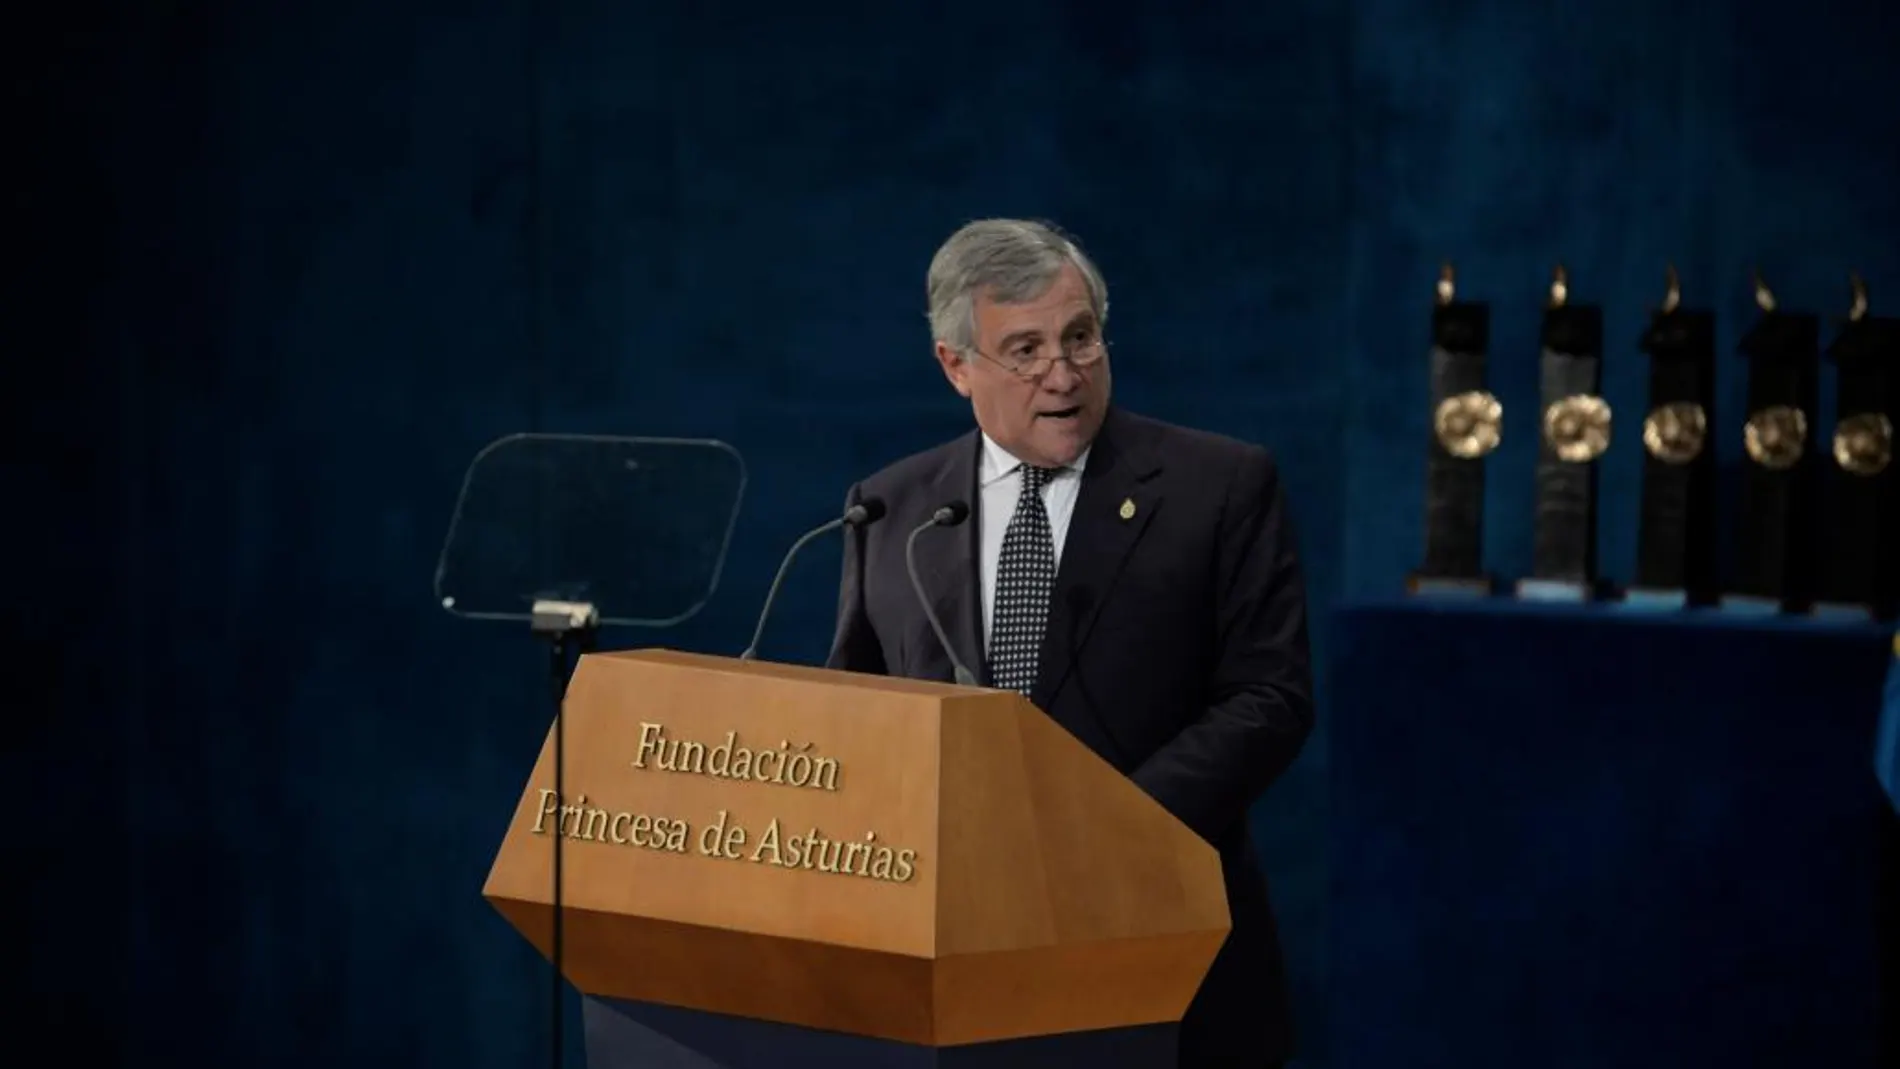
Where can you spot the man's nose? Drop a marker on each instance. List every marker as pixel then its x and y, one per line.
pixel 1062 377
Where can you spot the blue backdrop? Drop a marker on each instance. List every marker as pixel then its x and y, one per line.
pixel 282 269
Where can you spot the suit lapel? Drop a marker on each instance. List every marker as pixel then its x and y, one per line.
pixel 946 563
pixel 1116 503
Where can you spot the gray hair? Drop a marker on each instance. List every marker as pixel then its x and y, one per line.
pixel 1011 261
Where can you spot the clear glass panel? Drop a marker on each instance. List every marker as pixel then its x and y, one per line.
pixel 636 526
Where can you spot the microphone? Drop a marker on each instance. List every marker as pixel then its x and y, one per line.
pixel 862 514
pixel 948 516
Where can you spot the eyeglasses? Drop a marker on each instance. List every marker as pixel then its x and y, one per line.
pixel 1079 354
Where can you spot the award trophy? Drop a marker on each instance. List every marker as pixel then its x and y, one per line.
pixel 1772 551
pixel 1860 562
pixel 1466 425
pixel 1675 546
pixel 1575 431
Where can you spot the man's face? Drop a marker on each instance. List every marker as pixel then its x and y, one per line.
pixel 1046 421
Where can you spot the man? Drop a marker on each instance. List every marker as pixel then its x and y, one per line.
pixel 1137 581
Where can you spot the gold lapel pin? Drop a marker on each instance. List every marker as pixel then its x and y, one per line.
pixel 1128 508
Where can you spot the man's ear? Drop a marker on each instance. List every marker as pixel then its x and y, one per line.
pixel 955 368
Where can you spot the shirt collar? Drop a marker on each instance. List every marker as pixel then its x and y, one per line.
pixel 998 462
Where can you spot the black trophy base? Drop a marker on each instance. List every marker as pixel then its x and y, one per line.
pixel 1652 599
pixel 1558 590
pixel 1566 591
pixel 642 1035
pixel 1752 605
pixel 1451 586
pixel 1837 610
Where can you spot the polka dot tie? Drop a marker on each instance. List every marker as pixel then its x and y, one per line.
pixel 1025 579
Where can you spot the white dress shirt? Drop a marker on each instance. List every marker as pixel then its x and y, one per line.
pixel 999 477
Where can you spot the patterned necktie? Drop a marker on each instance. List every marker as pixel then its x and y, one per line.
pixel 1025 579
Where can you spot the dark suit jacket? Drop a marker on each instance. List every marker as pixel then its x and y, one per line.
pixel 1176 650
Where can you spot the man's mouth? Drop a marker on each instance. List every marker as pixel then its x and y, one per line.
pixel 1062 413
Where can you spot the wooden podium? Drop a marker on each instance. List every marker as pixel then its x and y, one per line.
pixel 767 865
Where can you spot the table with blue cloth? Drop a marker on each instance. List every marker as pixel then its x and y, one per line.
pixel 1586 836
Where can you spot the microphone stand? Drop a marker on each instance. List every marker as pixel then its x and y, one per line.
pixel 864 512
pixel 566 625
pixel 758 632
pixel 948 516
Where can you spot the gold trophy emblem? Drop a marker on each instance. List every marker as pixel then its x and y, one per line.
pixel 1775 437
pixel 1675 433
pixel 1469 424
pixel 1578 428
pixel 1863 444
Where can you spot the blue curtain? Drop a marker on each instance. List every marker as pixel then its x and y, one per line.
pixel 1887 744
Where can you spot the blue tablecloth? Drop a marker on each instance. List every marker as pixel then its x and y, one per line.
pixel 1572 836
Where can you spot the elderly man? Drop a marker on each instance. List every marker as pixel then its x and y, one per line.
pixel 1137 581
